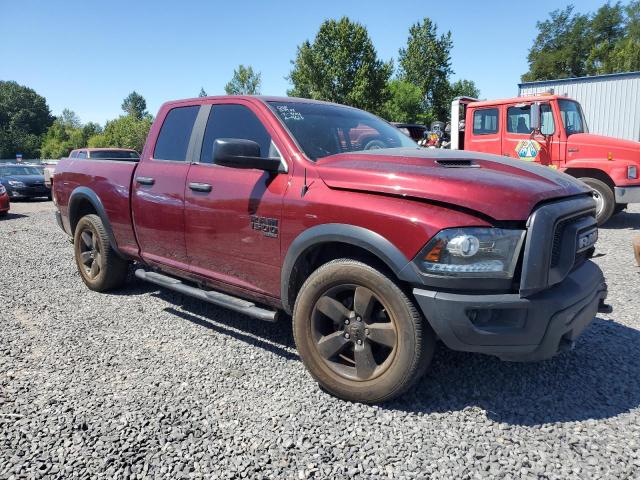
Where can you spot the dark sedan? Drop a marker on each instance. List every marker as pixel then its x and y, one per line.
pixel 23 181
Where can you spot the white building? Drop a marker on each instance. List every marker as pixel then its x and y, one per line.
pixel 611 103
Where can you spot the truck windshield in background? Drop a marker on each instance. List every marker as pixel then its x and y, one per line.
pixel 323 130
pixel 572 117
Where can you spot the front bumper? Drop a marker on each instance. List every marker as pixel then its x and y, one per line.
pixel 28 192
pixel 515 328
pixel 629 194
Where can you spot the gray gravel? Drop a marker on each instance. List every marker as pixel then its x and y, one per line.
pixel 146 383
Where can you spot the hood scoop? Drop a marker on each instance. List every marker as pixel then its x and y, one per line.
pixel 457 163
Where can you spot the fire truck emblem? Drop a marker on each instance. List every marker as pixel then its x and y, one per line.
pixel 527 150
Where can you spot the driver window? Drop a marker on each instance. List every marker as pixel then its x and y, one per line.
pixel 235 121
pixel 519 119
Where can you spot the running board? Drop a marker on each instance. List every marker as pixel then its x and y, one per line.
pixel 217 298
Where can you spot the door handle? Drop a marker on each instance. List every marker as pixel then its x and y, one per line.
pixel 145 180
pixel 200 187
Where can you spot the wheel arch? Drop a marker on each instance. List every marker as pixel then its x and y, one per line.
pixel 326 242
pixel 596 173
pixel 84 201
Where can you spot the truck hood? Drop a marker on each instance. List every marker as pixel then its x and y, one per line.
pixel 497 187
pixel 592 146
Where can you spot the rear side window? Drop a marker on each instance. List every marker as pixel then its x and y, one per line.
pixel 235 121
pixel 173 140
pixel 485 121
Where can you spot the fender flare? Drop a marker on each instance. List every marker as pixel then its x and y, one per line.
pixel 361 237
pixel 85 193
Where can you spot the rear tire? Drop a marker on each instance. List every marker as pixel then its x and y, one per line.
pixel 358 334
pixel 100 267
pixel 605 200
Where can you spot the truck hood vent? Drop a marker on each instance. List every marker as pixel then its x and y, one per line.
pixel 457 163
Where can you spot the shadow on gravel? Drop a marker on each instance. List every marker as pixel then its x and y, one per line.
pixel 274 337
pixel 599 379
pixel 12 216
pixel 623 221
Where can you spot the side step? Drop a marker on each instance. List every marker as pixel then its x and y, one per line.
pixel 217 298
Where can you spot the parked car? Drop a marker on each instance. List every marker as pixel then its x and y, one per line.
pixel 551 130
pixel 23 181
pixel 4 201
pixel 264 204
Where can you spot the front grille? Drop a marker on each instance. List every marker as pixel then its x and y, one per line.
pixel 552 241
pixel 558 233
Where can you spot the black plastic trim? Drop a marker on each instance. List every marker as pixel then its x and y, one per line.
pixel 85 193
pixel 516 328
pixel 349 234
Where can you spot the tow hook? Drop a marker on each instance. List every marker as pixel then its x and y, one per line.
pixel 604 307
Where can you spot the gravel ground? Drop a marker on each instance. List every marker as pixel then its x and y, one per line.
pixel 146 383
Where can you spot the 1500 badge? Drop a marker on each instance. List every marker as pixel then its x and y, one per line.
pixel 268 226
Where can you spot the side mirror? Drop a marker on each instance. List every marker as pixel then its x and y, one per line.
pixel 241 153
pixel 536 119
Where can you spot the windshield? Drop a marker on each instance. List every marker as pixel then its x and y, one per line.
pixel 19 170
pixel 114 154
pixel 322 130
pixel 572 117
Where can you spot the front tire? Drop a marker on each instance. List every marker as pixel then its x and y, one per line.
pixel 99 265
pixel 605 200
pixel 358 334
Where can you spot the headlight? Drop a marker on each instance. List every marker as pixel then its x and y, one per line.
pixel 472 252
pixel 15 183
pixel 632 172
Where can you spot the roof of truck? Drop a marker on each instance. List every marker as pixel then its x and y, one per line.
pixel 102 149
pixel 261 98
pixel 524 98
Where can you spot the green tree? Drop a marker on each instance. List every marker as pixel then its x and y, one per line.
pixel 341 65
pixel 24 118
pixel 65 134
pixel 606 30
pixel 202 93
pixel 135 105
pixel 626 54
pixel 126 131
pixel 244 82
pixel 572 44
pixel 405 103
pixel 561 46
pixel 426 62
pixel 463 88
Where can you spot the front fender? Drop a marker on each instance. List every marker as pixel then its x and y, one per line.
pixel 361 237
pixel 616 169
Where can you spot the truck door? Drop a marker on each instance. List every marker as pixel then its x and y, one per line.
pixel 233 215
pixel 158 191
pixel 517 141
pixel 483 134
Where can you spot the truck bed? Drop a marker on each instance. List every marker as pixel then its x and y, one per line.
pixel 111 182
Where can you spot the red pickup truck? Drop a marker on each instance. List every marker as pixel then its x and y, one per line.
pixel 551 130
pixel 266 205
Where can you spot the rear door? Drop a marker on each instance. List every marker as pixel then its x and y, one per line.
pixel 517 141
pixel 158 191
pixel 233 215
pixel 483 135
